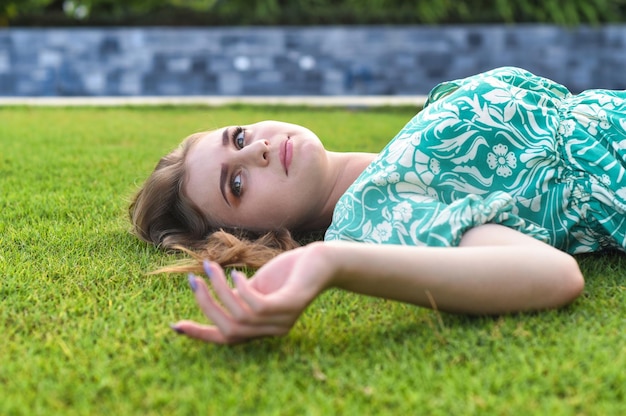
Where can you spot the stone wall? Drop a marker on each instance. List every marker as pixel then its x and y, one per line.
pixel 334 60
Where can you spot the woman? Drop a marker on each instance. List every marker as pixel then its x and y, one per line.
pixel 474 207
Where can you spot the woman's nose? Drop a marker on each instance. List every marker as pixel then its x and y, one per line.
pixel 257 152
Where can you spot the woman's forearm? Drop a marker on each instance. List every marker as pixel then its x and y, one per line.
pixel 511 274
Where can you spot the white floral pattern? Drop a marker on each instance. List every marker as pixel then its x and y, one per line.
pixel 502 160
pixel 382 232
pixel 403 212
pixel 505 147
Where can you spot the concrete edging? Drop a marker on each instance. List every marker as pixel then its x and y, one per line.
pixel 216 101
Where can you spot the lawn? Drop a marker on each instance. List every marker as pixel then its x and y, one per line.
pixel 85 328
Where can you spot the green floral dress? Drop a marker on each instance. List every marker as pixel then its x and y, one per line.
pixel 504 147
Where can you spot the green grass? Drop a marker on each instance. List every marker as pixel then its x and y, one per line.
pixel 85 330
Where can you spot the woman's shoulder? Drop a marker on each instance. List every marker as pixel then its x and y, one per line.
pixel 507 77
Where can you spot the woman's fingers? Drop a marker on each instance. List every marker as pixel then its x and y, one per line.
pixel 243 304
pixel 214 334
pixel 202 332
pixel 234 305
pixel 235 320
pixel 209 306
pixel 257 302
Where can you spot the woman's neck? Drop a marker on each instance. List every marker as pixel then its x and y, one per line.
pixel 345 168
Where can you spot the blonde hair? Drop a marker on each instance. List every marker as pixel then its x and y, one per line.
pixel 163 215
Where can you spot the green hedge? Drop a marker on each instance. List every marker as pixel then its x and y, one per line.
pixel 306 12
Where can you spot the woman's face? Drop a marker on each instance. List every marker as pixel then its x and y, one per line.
pixel 259 177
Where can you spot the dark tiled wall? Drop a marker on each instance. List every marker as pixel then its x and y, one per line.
pixel 293 61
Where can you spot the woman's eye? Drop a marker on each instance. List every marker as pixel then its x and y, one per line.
pixel 236 185
pixel 239 138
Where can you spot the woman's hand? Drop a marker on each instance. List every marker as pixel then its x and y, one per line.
pixel 266 305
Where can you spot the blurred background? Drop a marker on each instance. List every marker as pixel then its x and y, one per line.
pixel 300 47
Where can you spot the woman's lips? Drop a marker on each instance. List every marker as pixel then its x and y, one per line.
pixel 286 153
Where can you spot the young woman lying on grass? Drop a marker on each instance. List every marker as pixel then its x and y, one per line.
pixel 474 207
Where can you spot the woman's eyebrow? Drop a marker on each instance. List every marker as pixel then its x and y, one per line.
pixel 225 138
pixel 224 170
pixel 223 175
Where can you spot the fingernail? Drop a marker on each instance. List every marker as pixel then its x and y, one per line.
pixel 207 268
pixel 192 282
pixel 234 274
pixel 176 329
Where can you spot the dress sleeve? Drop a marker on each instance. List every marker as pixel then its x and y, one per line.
pixel 448 223
pixel 423 220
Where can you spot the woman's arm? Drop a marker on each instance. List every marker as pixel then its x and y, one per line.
pixel 495 270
